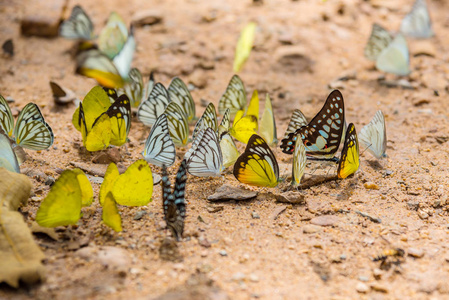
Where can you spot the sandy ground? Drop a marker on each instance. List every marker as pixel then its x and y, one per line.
pixel 267 257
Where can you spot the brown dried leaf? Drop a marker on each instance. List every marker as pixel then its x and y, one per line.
pixel 21 257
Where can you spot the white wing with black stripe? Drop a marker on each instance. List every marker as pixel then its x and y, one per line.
pixel 159 147
pixel 154 106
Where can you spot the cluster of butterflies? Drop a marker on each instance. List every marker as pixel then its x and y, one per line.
pixel 109 61
pixel 30 131
pixel 391 53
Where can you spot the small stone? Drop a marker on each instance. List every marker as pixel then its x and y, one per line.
pixel 277 212
pixel 223 253
pixel 156 179
pixel 239 276
pixel 290 197
pixel 255 215
pixel 139 215
pixel 371 186
pixel 253 277
pixel 413 205
pixel 113 257
pixel 377 273
pixel 202 240
pixel 363 278
pixel 327 220
pixel 147 17
pixel 214 209
pixel 50 180
pixel 422 214
pixel 379 288
pixel 362 288
pixel 414 252
pixel 111 155
pixel 228 192
pixel 310 228
pixel 95 179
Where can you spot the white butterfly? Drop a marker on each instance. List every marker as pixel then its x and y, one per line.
pixel 299 162
pixel 296 121
pixel 180 94
pixel 395 58
pixel 150 109
pixel 225 123
pixel 228 149
pixel 204 158
pixel 379 39
pixel 234 97
pixel 8 158
pixel 208 119
pixel 373 136
pixel 78 26
pixel 124 58
pixel 267 128
pixel 177 124
pixel 417 23
pixel 30 131
pixel 133 88
pixel 159 147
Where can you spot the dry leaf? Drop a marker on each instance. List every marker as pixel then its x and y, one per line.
pixel 21 257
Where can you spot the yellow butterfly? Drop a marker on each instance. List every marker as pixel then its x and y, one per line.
pixel 68 194
pixel 257 165
pixel 132 188
pixel 349 160
pixel 245 125
pixel 244 45
pixel 267 128
pixel 111 216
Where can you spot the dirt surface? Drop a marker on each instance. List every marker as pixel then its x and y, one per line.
pixel 281 254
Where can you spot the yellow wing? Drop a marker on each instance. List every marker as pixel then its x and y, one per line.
pixel 135 186
pixel 228 149
pixel 111 217
pixel 257 165
pixel 243 127
pixel 94 104
pixel 267 128
pixel 244 46
pixel 100 136
pixel 120 117
pixel 87 193
pixel 349 160
pixel 62 206
pixel 110 177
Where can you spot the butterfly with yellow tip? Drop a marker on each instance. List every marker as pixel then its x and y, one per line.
pixel 62 205
pixel 246 124
pixel 257 165
pixel 132 188
pixel 244 46
pixel 349 160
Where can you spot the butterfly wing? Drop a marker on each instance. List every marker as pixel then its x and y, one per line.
pixel 378 41
pixel 349 160
pixel 395 58
pixel 267 129
pixel 174 203
pixel 154 106
pixel 225 123
pixel 180 94
pixel 159 147
pixel 177 124
pixel 31 131
pixel 322 136
pixel 244 46
pixel 373 136
pixel 206 159
pixel 244 127
pixel 228 149
pixel 299 162
pixel 134 88
pixel 122 61
pixel 113 36
pixel 120 115
pixel 296 121
pixel 234 97
pixel 8 159
pixel 417 23
pixel 94 64
pixel 207 120
pixel 257 165
pixel 6 117
pixel 77 26
pixel 148 87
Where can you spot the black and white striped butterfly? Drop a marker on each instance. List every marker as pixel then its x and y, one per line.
pixel 30 131
pixel 208 119
pixel 322 136
pixel 296 121
pixel 234 97
pixel 205 158
pixel 180 94
pixel 151 108
pixel 159 147
pixel 77 26
pixel 174 200
pixel 417 23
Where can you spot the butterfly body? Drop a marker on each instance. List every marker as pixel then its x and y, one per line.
pixel 174 203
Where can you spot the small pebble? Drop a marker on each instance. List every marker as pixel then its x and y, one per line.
pixel 326 220
pixel 377 273
pixel 253 277
pixel 362 288
pixel 255 215
pixel 239 276
pixel 414 252
pixel 50 180
pixel 379 288
pixel 422 214
pixel 363 278
pixel 223 253
pixel 310 228
pixel 371 186
pixel 139 215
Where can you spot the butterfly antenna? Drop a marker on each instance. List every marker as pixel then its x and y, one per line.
pixel 367 149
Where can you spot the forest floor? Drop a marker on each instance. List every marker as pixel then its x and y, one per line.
pixel 259 248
